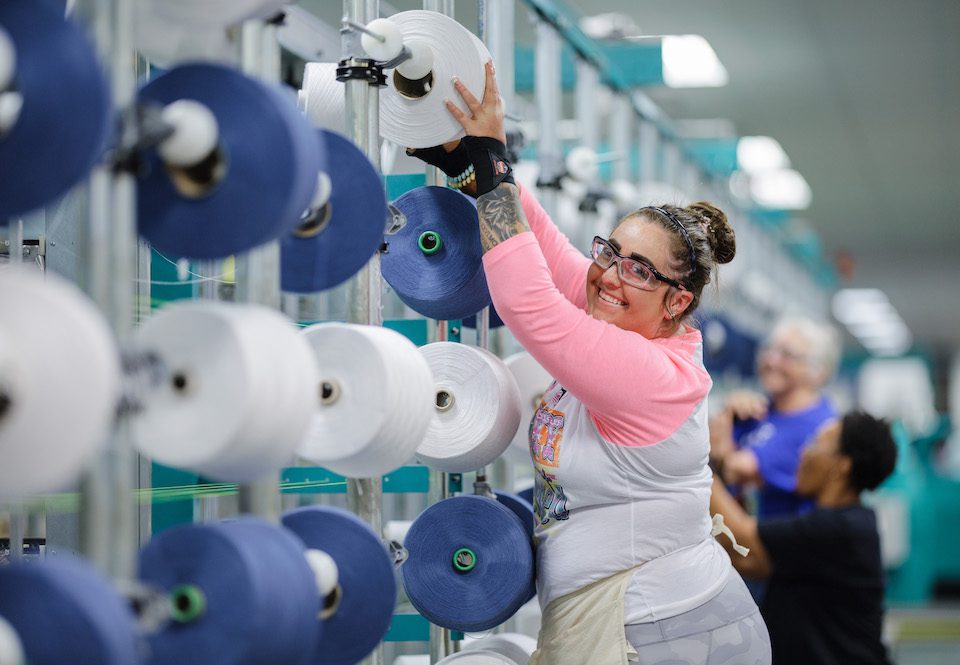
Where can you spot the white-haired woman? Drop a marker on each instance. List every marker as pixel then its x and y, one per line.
pixel 757 438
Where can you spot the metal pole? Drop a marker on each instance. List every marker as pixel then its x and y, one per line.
pixel 258 271
pixel 588 87
pixel 621 136
pixel 442 6
pixel 440 645
pixel 497 29
pixel 671 164
pixel 649 141
pixel 587 116
pixel 691 181
pixel 18 530
pixel 547 90
pixel 439 489
pixel 362 108
pixel 108 518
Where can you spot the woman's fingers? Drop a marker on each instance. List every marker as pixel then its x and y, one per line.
pixel 472 102
pixel 491 93
pixel 485 117
pixel 460 116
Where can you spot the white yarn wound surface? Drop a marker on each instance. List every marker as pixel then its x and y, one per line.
pixel 60 368
pixel 11 651
pixel 252 383
pixel 515 646
pixel 532 380
pixel 483 418
pixel 477 658
pixel 322 96
pixel 425 122
pixel 385 402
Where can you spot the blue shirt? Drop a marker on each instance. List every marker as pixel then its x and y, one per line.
pixel 777 441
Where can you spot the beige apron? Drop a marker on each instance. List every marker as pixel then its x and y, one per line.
pixel 586 626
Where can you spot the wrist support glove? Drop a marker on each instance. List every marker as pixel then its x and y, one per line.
pixel 488 157
pixel 452 163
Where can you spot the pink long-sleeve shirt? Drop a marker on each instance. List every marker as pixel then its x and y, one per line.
pixel 619 441
pixel 637 390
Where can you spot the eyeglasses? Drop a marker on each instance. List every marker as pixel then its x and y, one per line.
pixel 633 272
pixel 782 353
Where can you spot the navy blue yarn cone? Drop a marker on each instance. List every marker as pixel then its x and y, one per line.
pixel 261 598
pixel 65 119
pixel 523 509
pixel 353 223
pixel 368 587
pixel 498 546
pixel 66 612
pixel 272 160
pixel 519 506
pixel 495 320
pixel 526 495
pixel 449 283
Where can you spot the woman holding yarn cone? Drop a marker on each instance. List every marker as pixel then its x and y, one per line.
pixel 626 559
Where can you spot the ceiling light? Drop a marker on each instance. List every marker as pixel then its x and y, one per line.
pixel 756 154
pixel 690 62
pixel 784 189
pixel 850 305
pixel 873 320
pixel 611 26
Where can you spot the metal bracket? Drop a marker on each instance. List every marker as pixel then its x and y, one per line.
pixel 397 552
pixel 590 201
pixel 30 250
pixel 404 55
pixel 396 220
pixel 150 605
pixel 482 488
pixel 143 372
pixel 141 128
pixel 364 70
pixel 552 171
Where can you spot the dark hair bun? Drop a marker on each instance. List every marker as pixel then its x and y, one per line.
pixel 720 235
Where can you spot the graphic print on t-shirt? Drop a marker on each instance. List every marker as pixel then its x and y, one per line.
pixel 549 501
pixel 546 429
pixel 545 437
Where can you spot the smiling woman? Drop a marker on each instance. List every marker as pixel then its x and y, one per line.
pixel 619 441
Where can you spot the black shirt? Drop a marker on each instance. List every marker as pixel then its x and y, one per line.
pixel 824 603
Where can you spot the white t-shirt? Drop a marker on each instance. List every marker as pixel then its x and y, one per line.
pixel 602 508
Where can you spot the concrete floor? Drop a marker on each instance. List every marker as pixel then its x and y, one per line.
pixel 924 635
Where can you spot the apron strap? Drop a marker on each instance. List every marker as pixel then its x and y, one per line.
pixel 719 527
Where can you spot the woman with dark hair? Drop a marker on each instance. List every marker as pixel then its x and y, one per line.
pixel 625 558
pixel 824 600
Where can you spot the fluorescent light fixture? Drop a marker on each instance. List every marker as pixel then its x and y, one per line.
pixel 705 128
pixel 846 297
pixel 888 327
pixel 784 189
pixel 609 26
pixel 756 154
pixel 860 306
pixel 873 320
pixel 865 314
pixel 690 62
pixel 888 347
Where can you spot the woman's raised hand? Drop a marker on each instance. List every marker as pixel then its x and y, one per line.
pixel 486 116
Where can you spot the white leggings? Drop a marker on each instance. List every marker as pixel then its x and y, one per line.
pixel 726 630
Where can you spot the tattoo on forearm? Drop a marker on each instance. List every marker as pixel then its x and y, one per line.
pixel 501 215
